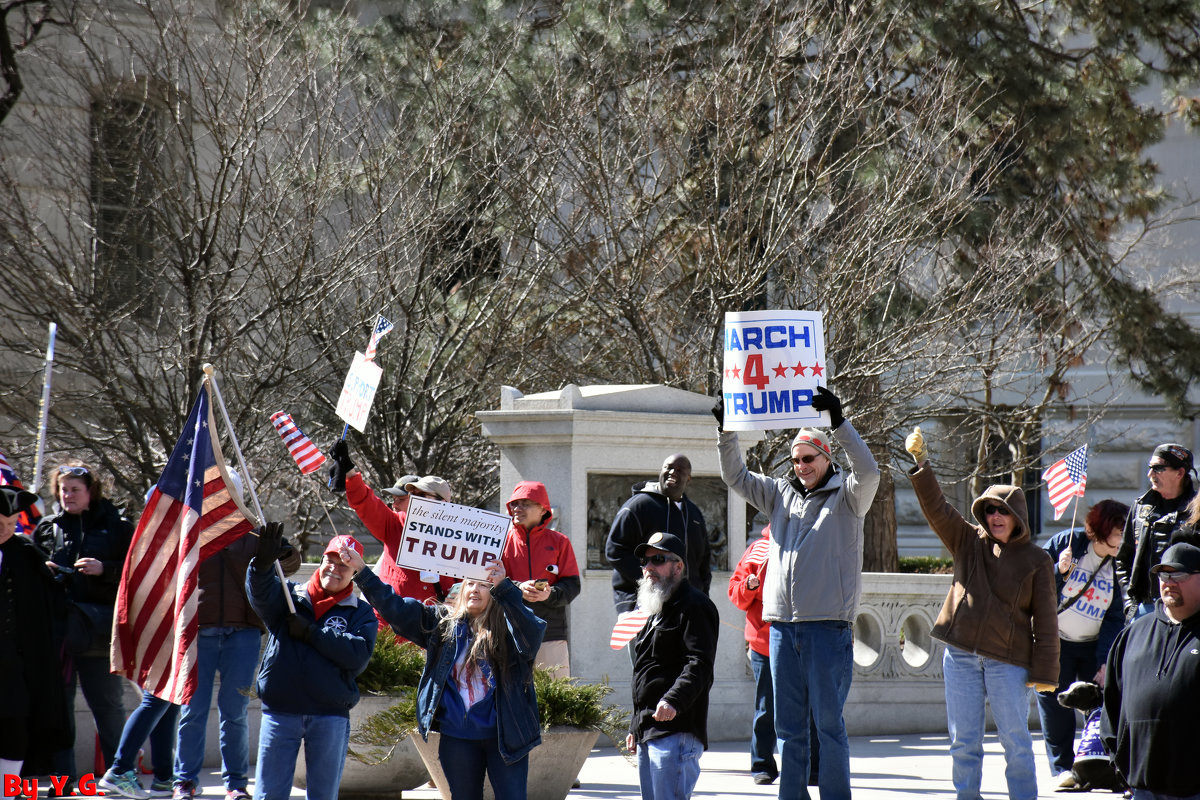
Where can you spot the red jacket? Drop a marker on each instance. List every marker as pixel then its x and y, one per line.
pixel 758 633
pixel 526 556
pixel 388 527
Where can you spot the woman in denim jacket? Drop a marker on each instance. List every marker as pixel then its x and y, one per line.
pixel 477 686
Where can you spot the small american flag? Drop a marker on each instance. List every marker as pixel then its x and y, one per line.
pixel 382 326
pixel 306 454
pixel 191 515
pixel 760 550
pixel 26 520
pixel 627 627
pixel 1066 479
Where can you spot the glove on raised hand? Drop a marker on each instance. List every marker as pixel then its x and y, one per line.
pixel 270 541
pixel 340 455
pixel 298 629
pixel 915 444
pixel 825 400
pixel 718 411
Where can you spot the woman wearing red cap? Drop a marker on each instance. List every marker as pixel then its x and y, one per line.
pixel 542 563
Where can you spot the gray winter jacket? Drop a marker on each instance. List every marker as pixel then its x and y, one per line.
pixel 815 567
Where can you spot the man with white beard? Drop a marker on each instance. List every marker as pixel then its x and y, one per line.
pixel 673 658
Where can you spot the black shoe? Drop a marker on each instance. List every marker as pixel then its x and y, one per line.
pixel 763 778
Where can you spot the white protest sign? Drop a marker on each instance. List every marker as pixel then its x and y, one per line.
pixel 358 392
pixel 449 539
pixel 774 361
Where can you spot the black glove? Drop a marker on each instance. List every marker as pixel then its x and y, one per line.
pixel 269 538
pixel 298 629
pixel 825 400
pixel 718 411
pixel 340 455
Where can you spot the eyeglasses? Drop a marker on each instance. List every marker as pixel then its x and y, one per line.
pixel 515 504
pixel 1001 510
pixel 1160 467
pixel 658 560
pixel 804 459
pixel 1174 577
pixel 67 469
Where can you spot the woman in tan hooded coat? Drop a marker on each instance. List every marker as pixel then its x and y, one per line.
pixel 999 623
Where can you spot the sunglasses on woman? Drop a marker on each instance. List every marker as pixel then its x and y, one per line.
pixel 1001 510
pixel 67 469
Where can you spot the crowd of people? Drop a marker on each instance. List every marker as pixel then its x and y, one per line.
pixel 1112 604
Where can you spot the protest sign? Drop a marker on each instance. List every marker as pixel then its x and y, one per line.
pixel 774 361
pixel 449 539
pixel 358 392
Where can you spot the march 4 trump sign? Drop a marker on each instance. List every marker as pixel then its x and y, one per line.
pixel 774 360
pixel 449 539
pixel 358 392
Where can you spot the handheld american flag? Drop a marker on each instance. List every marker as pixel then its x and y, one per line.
pixel 1066 479
pixel 627 627
pixel 191 515
pixel 26 520
pixel 306 454
pixel 382 326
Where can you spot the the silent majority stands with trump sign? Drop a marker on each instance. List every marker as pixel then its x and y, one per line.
pixel 449 539
pixel 774 361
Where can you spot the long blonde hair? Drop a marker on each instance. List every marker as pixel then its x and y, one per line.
pixel 489 639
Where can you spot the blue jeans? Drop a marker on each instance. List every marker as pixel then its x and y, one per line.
pixel 812 664
pixel 232 652
pixel 326 740
pixel 762 731
pixel 465 761
pixel 970 680
pixel 1076 662
pixel 104 693
pixel 668 767
pixel 156 719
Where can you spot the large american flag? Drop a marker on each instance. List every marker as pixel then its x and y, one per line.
pixel 306 454
pixel 26 520
pixel 382 326
pixel 1066 479
pixel 191 515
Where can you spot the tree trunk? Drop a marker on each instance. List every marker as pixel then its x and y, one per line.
pixel 879 540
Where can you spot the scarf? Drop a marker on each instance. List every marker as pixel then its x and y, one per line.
pixel 322 600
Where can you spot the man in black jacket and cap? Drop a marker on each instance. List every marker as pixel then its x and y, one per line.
pixel 673 657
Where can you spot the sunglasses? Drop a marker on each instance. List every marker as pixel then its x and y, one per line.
pixel 804 459
pixel 658 560
pixel 1173 577
pixel 1001 510
pixel 66 469
pixel 1160 467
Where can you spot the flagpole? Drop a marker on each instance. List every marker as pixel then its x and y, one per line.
pixel 45 411
pixel 210 376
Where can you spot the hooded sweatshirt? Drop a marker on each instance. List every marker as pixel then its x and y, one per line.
pixel 1151 703
pixel 1002 604
pixel 650 511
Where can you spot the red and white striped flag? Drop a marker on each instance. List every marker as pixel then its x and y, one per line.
pixel 760 550
pixel 627 627
pixel 1066 479
pixel 308 456
pixel 382 326
pixel 191 515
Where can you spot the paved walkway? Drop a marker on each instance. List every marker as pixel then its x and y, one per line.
pixel 893 767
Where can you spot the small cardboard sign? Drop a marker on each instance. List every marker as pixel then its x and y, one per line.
pixel 449 539
pixel 774 361
pixel 358 392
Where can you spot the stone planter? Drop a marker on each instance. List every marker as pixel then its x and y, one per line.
pixel 404 770
pixel 553 765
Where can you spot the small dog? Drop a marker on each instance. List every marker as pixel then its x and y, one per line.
pixel 1093 768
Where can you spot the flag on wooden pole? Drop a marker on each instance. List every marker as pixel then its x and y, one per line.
pixel 1066 479
pixel 192 514
pixel 308 456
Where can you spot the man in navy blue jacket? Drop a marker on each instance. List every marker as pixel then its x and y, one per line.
pixel 306 681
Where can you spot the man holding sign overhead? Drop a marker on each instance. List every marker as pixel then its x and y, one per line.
pixel 813 578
